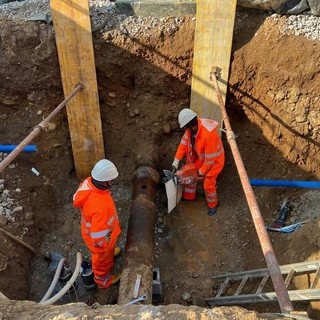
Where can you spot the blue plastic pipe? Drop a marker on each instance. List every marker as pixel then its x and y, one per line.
pixel 285 183
pixel 10 147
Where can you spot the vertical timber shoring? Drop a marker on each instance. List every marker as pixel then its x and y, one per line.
pixel 212 47
pixel 76 57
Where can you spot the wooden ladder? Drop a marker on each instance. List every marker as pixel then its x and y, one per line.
pixel 312 269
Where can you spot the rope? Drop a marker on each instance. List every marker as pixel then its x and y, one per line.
pixel 230 135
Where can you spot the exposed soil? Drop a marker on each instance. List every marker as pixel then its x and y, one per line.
pixel 144 82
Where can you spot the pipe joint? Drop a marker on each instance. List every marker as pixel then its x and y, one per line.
pixel 231 135
pixel 146 173
pixel 42 125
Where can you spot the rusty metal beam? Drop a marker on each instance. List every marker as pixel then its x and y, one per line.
pixel 267 249
pixel 139 248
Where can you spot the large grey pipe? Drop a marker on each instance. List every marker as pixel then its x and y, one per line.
pixel 139 248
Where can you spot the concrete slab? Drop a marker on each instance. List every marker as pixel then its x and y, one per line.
pixel 156 8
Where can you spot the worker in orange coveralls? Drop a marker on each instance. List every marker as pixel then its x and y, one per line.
pixel 201 145
pixel 100 226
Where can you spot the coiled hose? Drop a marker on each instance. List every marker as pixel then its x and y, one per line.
pixel 68 285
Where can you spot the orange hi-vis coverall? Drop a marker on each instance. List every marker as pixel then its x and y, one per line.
pixel 100 228
pixel 208 155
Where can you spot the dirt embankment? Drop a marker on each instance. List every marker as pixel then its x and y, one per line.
pixel 275 80
pixel 144 72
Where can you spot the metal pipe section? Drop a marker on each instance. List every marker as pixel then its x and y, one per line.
pixel 10 147
pixel 139 248
pixel 42 125
pixel 268 252
pixel 285 183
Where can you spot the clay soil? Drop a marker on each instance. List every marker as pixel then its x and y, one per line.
pixel 144 82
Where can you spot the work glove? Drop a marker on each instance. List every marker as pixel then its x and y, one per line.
pixel 175 165
pixel 200 174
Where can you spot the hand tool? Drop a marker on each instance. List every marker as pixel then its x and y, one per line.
pixel 186 175
pixel 285 209
pixel 137 286
pixel 142 298
pixel 174 181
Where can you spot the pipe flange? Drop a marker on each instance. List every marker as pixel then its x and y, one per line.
pixel 146 173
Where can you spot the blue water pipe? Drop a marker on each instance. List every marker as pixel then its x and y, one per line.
pixel 10 147
pixel 285 183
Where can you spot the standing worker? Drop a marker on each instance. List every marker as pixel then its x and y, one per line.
pixel 202 146
pixel 100 226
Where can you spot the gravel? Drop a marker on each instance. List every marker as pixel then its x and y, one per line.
pixel 9 206
pixel 304 25
pixel 136 27
pixel 104 17
pixel 100 10
pixel 24 10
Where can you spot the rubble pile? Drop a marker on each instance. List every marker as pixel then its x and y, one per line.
pixel 9 206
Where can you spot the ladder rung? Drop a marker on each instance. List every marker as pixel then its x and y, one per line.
pixel 295 295
pixel 244 280
pixel 262 283
pixel 316 278
pixel 289 277
pixel 239 275
pixel 223 287
pixel 259 273
pixel 291 271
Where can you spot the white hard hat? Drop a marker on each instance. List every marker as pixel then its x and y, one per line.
pixel 104 170
pixel 185 116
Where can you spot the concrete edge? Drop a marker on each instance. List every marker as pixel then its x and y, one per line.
pixel 155 8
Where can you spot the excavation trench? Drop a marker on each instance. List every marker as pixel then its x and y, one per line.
pixel 144 79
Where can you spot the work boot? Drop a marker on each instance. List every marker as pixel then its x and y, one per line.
pixel 115 278
pixel 212 211
pixel 88 280
pixel 117 251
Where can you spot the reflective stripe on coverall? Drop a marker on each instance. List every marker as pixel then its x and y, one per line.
pixel 207 154
pixel 100 228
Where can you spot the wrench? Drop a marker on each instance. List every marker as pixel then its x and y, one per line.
pixel 142 298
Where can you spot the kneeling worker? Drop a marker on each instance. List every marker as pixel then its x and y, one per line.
pixel 202 146
pixel 100 226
